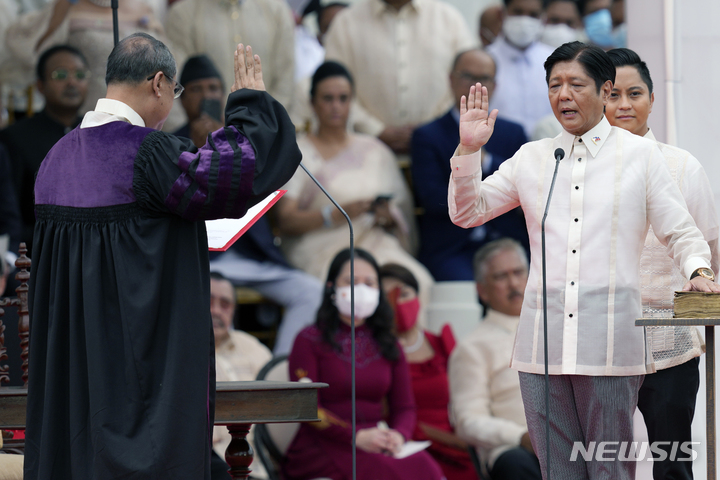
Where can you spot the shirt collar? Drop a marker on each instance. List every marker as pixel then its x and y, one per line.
pixel 649 135
pixel 379 7
pixel 116 108
pixel 593 139
pixel 506 322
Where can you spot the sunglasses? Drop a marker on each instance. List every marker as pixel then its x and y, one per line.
pixel 62 74
pixel 177 90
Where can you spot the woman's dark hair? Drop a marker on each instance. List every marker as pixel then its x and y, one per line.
pixel 398 272
pixel 595 61
pixel 380 323
pixel 327 70
pixel 45 57
pixel 624 57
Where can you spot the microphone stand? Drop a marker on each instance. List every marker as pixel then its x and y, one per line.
pixel 116 29
pixel 352 314
pixel 559 155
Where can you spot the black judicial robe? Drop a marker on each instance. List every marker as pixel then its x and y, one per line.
pixel 121 380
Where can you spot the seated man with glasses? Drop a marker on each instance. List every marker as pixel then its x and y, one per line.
pixel 445 249
pixel 62 78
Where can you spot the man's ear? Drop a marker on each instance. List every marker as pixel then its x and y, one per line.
pixel 40 85
pixel 481 291
pixel 606 90
pixel 652 100
pixel 155 84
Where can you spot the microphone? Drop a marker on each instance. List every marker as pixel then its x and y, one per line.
pixel 559 155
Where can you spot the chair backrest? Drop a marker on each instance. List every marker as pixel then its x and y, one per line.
pixel 21 303
pixel 273 439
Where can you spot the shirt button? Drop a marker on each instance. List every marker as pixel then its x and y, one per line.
pixel 580 140
pixel 570 315
pixel 577 188
pixel 572 283
pixel 579 159
pixel 576 219
pixel 574 251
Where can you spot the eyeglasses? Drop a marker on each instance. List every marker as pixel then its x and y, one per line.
pixel 62 74
pixel 470 78
pixel 177 90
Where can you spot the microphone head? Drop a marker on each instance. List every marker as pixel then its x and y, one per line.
pixel 559 154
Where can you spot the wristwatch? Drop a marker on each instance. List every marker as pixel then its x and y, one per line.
pixel 703 272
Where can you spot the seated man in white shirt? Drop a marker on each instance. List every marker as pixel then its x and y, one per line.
pixel 484 391
pixel 520 92
pixel 238 357
pixel 609 187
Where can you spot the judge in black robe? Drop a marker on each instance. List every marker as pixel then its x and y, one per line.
pixel 121 381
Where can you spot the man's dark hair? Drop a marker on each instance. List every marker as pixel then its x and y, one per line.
pixel 136 57
pixel 327 70
pixel 624 57
pixel 595 61
pixel 45 57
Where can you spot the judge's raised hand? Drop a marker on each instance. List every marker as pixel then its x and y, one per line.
pixel 248 70
pixel 476 123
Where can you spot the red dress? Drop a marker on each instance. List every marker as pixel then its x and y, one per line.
pixel 383 392
pixel 432 397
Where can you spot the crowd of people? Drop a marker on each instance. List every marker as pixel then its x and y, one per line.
pixel 376 98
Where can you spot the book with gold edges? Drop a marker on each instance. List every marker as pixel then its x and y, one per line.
pixel 696 305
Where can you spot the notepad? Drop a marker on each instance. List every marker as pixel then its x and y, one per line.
pixel 222 233
pixel 411 448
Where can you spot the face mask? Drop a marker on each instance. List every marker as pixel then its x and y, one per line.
pixel 598 27
pixel 366 300
pixel 521 30
pixel 619 36
pixel 556 35
pixel 406 315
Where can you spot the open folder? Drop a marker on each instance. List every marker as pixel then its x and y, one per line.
pixel 222 233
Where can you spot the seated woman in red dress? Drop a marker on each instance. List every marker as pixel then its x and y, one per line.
pixel 322 353
pixel 427 354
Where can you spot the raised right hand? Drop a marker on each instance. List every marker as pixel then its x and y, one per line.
pixel 476 123
pixel 248 70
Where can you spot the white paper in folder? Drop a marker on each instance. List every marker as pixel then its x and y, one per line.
pixel 222 233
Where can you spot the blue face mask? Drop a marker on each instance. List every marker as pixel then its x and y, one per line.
pixel 598 27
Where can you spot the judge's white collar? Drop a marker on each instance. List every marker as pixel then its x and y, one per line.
pixel 108 110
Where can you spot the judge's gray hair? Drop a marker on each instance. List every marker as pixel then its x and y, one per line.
pixel 489 250
pixel 138 56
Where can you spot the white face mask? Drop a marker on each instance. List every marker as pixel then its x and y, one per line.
pixel 521 30
pixel 556 35
pixel 366 300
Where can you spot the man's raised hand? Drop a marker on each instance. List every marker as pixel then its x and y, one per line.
pixel 476 123
pixel 248 70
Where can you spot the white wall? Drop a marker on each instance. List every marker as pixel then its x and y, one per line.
pixel 680 41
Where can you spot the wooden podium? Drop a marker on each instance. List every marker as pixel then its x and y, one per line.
pixel 237 405
pixel 709 324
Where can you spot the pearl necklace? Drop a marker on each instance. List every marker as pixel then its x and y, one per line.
pixel 415 346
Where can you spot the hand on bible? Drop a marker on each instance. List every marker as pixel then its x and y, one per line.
pixel 701 284
pixel 476 123
pixel 248 70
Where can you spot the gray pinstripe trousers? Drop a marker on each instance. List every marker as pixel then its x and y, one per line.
pixel 582 409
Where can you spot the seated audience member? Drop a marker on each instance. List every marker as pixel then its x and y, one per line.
pixel 202 99
pixel 484 390
pixel 254 260
pixel 385 406
pixel 490 24
pixel 360 172
pixel 398 52
pixel 562 23
pixel 217 26
pixel 84 24
pixel 521 91
pixel 238 357
pixel 427 355
pixel 667 397
pixel 62 78
pixel 446 249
